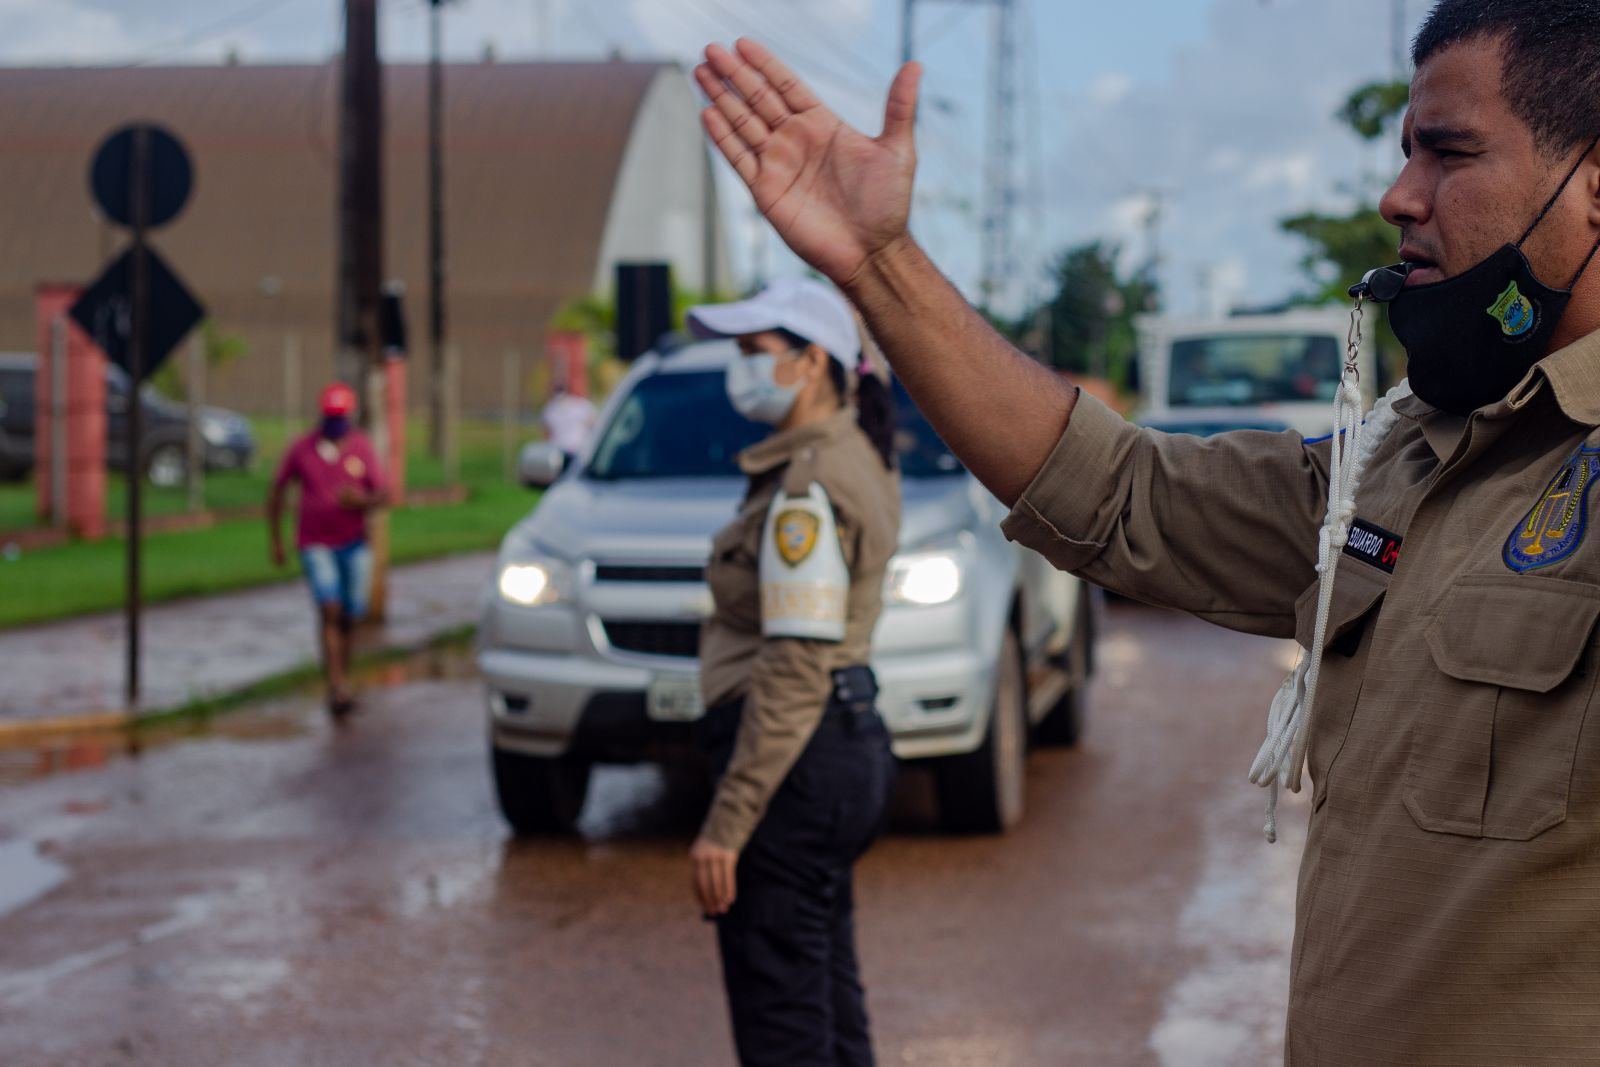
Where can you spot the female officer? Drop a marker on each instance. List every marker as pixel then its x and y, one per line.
pixel 803 759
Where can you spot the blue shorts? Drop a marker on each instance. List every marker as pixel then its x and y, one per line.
pixel 340 576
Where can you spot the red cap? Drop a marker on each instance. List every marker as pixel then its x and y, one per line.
pixel 338 399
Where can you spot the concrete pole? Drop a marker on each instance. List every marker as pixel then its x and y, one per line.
pixel 58 422
pixel 510 390
pixel 197 446
pixel 436 279
pixel 452 437
pixel 291 383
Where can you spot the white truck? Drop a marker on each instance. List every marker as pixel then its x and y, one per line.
pixel 1261 372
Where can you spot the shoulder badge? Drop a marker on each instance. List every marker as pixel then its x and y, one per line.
pixel 795 534
pixel 805 582
pixel 1555 527
pixel 1515 312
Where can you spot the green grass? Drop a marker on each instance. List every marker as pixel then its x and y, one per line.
pixel 80 577
pixel 480 452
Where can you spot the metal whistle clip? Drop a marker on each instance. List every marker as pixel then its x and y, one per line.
pixel 1382 284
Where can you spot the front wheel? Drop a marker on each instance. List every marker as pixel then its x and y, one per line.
pixel 1063 724
pixel 983 790
pixel 540 795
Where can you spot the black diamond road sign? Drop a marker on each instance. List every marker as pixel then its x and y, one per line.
pixel 105 312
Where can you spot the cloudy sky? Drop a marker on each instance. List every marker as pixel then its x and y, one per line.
pixel 1218 110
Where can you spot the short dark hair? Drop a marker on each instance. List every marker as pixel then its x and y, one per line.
pixel 1551 79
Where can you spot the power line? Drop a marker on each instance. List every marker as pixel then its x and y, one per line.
pixel 239 19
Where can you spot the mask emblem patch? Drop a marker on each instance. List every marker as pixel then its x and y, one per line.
pixel 1514 312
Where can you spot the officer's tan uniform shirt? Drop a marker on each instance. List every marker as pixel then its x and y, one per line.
pixel 785 682
pixel 1449 902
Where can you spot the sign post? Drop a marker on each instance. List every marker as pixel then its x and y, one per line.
pixel 138 310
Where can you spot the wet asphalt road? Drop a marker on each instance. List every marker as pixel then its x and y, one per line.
pixel 278 891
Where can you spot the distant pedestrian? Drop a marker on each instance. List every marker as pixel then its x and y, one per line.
pixel 340 481
pixel 567 420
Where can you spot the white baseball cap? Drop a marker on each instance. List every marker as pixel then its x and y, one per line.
pixel 810 308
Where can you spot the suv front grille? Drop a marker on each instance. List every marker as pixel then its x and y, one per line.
pixel 632 572
pixel 655 638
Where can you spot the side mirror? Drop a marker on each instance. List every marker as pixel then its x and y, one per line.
pixel 540 464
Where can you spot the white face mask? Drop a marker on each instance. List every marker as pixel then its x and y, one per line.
pixel 755 393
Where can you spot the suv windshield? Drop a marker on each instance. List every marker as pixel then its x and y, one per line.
pixel 674 426
pixel 1246 369
pixel 682 426
pixel 922 453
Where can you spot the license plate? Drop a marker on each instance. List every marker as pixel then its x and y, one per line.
pixel 674 698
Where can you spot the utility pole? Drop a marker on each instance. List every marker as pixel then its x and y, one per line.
pixel 435 230
pixel 1000 185
pixel 1155 209
pixel 1402 59
pixel 360 341
pixel 360 198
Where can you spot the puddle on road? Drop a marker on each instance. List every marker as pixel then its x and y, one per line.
pixel 25 875
pixel 279 717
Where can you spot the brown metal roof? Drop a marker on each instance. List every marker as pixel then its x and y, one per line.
pixel 533 153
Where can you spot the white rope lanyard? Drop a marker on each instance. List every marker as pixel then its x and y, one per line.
pixel 1354 442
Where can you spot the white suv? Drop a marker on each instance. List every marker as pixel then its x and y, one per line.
pixel 591 623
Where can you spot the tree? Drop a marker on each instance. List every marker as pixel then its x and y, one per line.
pixel 220 349
pixel 1087 326
pixel 1343 247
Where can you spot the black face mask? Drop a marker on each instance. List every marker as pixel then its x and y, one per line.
pixel 1470 339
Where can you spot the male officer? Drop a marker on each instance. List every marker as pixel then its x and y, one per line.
pixel 1447 904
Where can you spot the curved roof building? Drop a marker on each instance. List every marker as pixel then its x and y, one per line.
pixel 554 172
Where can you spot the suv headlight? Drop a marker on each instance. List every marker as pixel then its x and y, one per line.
pixel 535 583
pixel 927 577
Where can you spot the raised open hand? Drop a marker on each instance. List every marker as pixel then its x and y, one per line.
pixel 835 195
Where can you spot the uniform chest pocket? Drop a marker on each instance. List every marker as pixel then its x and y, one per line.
pixel 1493 741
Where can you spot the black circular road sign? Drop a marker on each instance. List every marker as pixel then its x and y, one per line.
pixel 168 176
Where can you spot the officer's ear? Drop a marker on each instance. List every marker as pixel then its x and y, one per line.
pixel 816 358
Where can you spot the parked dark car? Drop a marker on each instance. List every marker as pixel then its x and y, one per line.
pixel 225 435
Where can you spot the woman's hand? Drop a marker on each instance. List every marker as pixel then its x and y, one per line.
pixel 835 195
pixel 713 879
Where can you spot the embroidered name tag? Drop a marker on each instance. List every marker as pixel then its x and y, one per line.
pixel 1373 544
pixel 1555 527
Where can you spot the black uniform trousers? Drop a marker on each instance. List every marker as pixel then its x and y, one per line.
pixel 788 942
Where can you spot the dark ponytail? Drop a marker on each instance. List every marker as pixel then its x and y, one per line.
pixel 875 415
pixel 874 408
pixel 874 402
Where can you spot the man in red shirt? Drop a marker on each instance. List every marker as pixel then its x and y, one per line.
pixel 340 481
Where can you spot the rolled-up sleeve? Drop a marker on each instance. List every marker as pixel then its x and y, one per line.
pixel 1223 527
pixel 789 691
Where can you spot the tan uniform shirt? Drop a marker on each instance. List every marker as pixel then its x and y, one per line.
pixel 785 682
pixel 1449 900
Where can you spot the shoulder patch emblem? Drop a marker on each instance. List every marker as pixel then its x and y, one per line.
pixel 795 532
pixel 1556 526
pixel 1515 312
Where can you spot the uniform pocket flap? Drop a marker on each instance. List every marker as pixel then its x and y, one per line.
pixel 1356 588
pixel 1520 631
